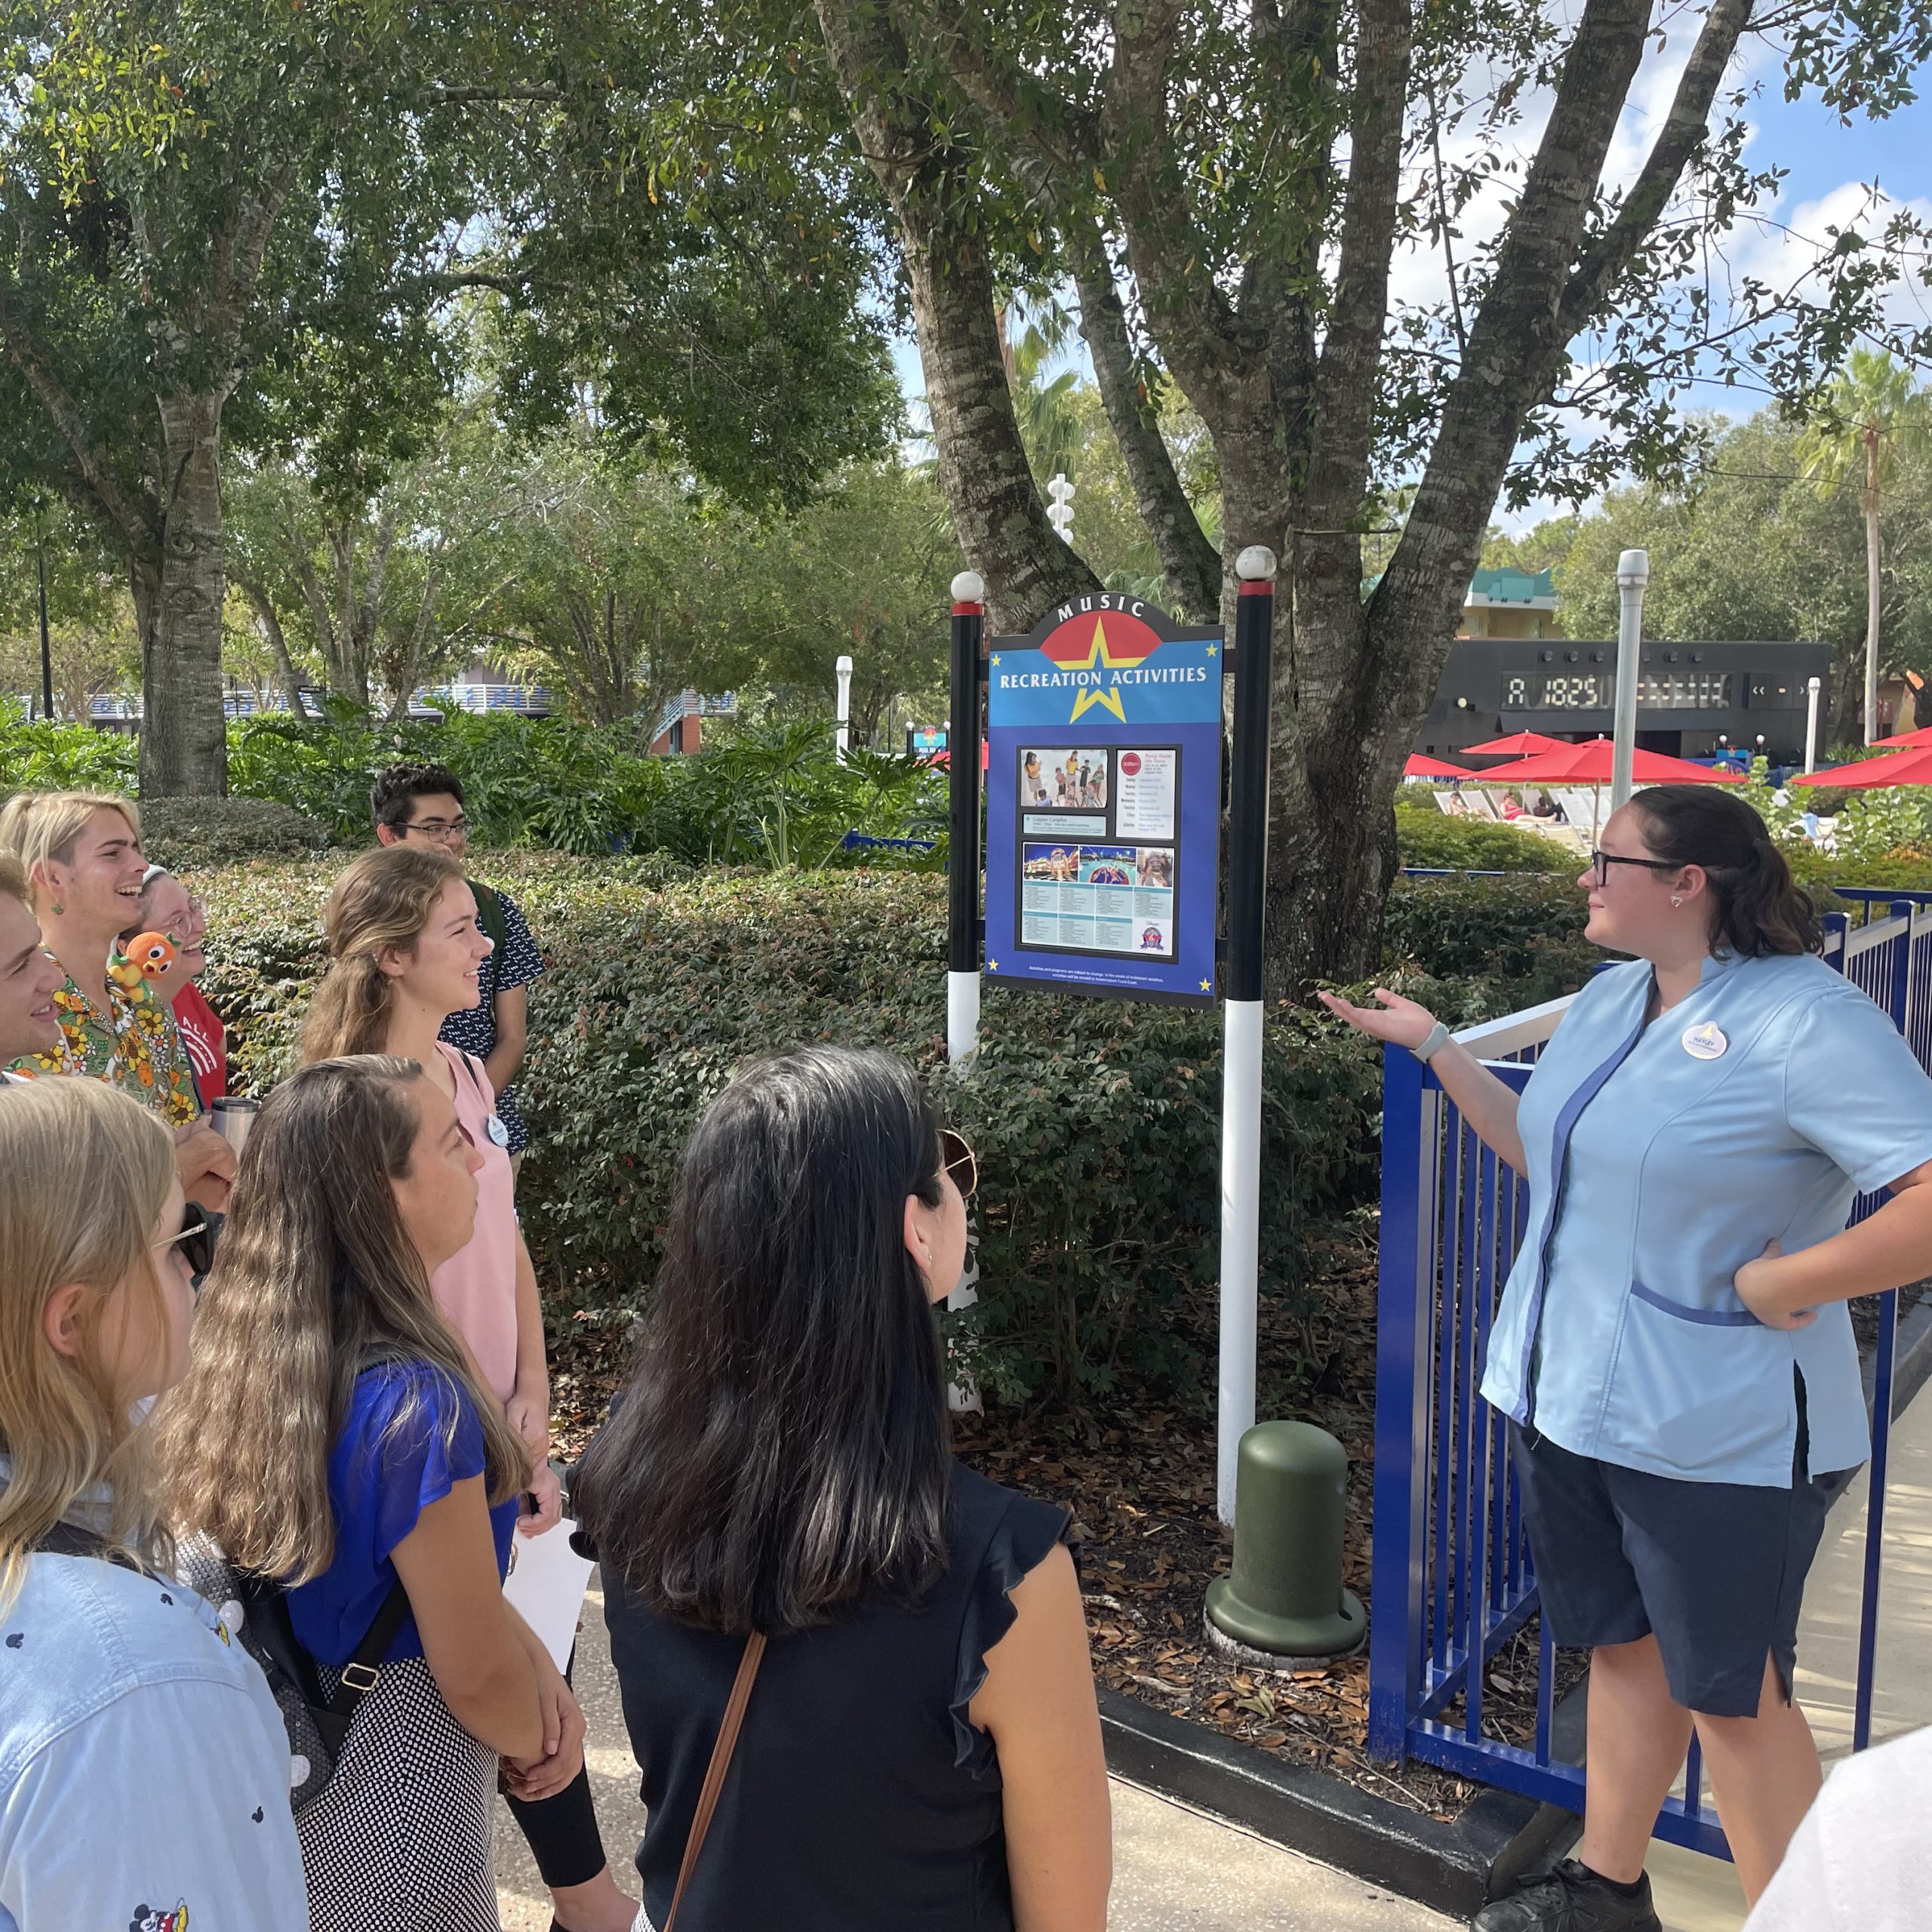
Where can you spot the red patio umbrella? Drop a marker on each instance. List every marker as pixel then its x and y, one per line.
pixel 1912 768
pixel 1590 765
pixel 1904 740
pixel 1419 767
pixel 1519 744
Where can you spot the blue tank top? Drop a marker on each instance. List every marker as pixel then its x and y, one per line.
pixel 861 1798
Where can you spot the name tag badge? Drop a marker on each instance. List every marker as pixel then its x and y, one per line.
pixel 499 1134
pixel 1706 1041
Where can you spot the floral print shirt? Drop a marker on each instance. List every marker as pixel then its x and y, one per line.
pixel 134 1045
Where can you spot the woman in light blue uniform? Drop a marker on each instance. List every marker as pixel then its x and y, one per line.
pixel 1672 1349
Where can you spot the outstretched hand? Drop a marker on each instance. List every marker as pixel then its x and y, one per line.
pixel 1402 1021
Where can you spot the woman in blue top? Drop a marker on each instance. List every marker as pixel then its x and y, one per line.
pixel 333 1432
pixel 1672 1348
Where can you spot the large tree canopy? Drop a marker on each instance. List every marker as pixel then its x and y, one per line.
pixel 1253 177
pixel 220 218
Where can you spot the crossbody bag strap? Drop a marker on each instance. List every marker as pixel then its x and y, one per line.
pixel 720 1763
pixel 358 1674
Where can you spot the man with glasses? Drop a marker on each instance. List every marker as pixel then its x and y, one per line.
pixel 422 804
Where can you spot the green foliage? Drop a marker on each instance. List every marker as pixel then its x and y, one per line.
pixel 196 835
pixel 1097 1123
pixel 772 795
pixel 47 757
pixel 1427 837
pixel 1497 943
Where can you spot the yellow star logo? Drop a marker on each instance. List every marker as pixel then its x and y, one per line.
pixel 1211 650
pixel 1206 986
pixel 993 965
pixel 996 657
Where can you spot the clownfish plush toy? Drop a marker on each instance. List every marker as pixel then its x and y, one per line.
pixel 149 956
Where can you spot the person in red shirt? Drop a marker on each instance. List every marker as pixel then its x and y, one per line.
pixel 167 906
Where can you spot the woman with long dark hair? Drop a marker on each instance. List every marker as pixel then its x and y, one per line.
pixel 920 1751
pixel 1672 1348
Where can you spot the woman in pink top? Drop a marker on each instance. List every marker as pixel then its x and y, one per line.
pixel 405 948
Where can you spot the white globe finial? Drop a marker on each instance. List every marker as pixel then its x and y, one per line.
pixel 969 587
pixel 1634 567
pixel 1255 563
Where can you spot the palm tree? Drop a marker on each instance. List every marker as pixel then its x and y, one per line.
pixel 1869 412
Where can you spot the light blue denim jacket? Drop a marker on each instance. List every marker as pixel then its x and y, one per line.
pixel 1661 1159
pixel 143 1765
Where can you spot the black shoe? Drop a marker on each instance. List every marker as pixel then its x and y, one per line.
pixel 1572 1899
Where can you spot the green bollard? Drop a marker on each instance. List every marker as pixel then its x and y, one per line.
pixel 1285 1598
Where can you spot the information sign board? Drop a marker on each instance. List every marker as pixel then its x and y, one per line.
pixel 1103 787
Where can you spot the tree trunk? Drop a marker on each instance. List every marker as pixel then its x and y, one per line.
pixel 270 620
pixel 184 738
pixel 1188 562
pixel 996 513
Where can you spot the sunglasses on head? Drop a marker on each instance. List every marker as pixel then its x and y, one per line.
pixel 196 1239
pixel 956 1157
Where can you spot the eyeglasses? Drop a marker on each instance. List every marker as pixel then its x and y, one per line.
pixel 957 1159
pixel 440 828
pixel 196 1241
pixel 1601 862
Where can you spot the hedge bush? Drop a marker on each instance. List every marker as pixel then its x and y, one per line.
pixel 1097 1123
pixel 1426 836
pixel 196 834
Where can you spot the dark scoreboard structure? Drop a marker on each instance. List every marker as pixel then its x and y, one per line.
pixel 1694 700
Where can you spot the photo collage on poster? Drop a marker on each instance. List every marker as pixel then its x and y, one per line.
pixel 1098 849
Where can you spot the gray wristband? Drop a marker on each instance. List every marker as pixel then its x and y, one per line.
pixel 1437 1037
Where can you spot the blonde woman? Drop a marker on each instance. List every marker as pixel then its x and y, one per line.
pixel 332 1433
pixel 143 1765
pixel 81 852
pixel 407 950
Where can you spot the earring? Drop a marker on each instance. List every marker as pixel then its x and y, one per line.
pixel 1677 899
pixel 57 908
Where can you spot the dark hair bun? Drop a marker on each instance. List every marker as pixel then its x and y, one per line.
pixel 1760 910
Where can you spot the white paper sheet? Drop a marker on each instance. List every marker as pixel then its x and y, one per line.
pixel 545 1588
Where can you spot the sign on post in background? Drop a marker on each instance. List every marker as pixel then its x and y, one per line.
pixel 1103 783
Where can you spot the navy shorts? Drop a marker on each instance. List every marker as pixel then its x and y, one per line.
pixel 1715 1571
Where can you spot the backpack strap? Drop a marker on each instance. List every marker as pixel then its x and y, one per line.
pixel 490 915
pixel 358 1676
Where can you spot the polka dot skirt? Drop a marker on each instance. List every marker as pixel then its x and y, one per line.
pixel 400 1840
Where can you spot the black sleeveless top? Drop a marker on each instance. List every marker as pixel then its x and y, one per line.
pixel 861 1798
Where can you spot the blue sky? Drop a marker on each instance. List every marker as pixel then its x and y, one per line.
pixel 1827 163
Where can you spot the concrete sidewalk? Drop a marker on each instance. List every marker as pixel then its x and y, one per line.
pixel 1177 1870
pixel 1174 1869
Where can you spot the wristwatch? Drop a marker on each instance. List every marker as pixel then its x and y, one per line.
pixel 1437 1037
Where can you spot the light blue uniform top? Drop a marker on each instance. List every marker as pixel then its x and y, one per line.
pixel 144 1767
pixel 1655 1172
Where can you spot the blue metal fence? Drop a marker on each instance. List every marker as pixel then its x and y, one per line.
pixel 1453 1582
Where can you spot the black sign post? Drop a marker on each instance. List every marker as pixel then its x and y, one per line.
pixel 962 963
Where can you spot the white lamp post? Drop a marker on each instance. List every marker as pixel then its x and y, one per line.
pixel 1633 573
pixel 844 668
pixel 1812 687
